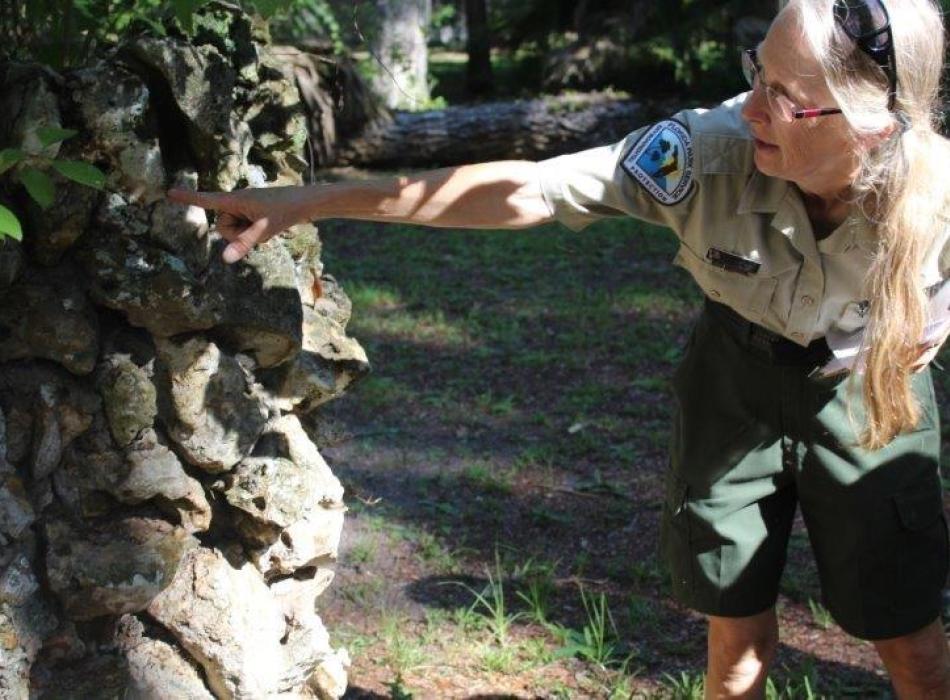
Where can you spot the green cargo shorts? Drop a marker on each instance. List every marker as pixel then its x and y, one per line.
pixel 752 439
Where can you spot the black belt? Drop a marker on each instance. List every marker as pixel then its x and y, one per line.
pixel 773 347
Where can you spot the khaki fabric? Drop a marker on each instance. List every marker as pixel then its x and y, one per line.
pixel 802 288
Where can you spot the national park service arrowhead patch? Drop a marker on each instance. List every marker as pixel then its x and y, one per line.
pixel 662 161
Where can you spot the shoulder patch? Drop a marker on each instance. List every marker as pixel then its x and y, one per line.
pixel 662 161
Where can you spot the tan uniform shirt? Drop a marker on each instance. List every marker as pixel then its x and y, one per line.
pixel 744 237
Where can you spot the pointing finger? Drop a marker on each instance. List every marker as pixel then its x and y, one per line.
pixel 250 237
pixel 206 200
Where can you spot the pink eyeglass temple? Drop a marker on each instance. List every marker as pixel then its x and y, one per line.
pixel 816 112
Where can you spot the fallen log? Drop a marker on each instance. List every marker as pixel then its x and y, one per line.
pixel 528 129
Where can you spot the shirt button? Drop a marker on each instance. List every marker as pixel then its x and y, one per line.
pixel 714 294
pixel 807 301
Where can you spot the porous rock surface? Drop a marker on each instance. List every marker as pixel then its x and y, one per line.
pixel 166 521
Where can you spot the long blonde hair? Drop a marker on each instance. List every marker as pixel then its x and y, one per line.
pixel 901 186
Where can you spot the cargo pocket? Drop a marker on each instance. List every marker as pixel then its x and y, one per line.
pixel 675 540
pixel 922 549
pixel 904 564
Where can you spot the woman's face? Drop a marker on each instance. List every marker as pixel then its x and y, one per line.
pixel 819 153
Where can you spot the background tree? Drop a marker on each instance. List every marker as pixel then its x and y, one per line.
pixel 479 71
pixel 402 79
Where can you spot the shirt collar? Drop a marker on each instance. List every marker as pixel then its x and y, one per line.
pixel 772 195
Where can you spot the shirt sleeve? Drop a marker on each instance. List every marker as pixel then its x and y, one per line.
pixel 654 174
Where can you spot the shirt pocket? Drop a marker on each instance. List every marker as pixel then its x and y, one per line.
pixel 748 294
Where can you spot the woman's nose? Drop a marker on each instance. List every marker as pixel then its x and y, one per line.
pixel 756 108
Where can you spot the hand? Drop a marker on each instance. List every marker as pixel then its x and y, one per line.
pixel 248 217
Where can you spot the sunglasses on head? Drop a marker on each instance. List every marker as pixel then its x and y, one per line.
pixel 868 25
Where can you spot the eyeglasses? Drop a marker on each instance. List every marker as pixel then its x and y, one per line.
pixel 868 25
pixel 781 105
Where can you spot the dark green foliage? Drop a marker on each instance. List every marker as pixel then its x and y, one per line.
pixel 66 33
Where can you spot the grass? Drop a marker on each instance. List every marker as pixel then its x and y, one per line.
pixel 596 642
pixel 492 603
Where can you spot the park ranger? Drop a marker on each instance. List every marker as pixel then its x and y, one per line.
pixel 810 211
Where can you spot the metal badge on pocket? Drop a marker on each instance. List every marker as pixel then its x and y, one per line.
pixel 732 262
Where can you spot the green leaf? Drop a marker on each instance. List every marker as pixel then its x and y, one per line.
pixel 185 10
pixel 269 8
pixel 39 186
pixel 9 157
pixel 53 134
pixel 9 224
pixel 83 173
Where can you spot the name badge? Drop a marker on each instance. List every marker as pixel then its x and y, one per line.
pixel 732 262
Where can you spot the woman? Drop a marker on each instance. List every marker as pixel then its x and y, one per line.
pixel 807 209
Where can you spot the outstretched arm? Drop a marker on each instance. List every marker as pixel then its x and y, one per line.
pixel 502 194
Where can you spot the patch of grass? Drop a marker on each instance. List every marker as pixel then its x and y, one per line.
pixel 597 641
pixel 434 553
pixel 487 402
pixel 491 602
pixel 499 659
pixel 404 651
pixel 398 689
pixel 363 592
pixel 363 551
pixel 802 685
pixel 486 476
pixel 686 685
pixel 537 581
pixel 820 614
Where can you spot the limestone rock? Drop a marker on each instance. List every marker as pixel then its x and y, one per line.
pixel 330 677
pixel 46 409
pixel 263 315
pixel 16 513
pixel 254 306
pixel 278 122
pixel 115 567
pixel 157 669
pixel 201 83
pixel 329 363
pixel 62 325
pixel 53 231
pixel 227 619
pixel 11 262
pixel 26 620
pixel 156 473
pixel 5 467
pixel 145 470
pixel 182 229
pixel 153 288
pixel 228 29
pixel 128 397
pixel 291 504
pixel 99 676
pixel 307 642
pixel 213 414
pixel 113 104
pixel 28 103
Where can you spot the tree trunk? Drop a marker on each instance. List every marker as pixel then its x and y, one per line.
pixel 399 45
pixel 478 71
pixel 532 130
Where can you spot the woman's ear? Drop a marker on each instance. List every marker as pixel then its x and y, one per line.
pixel 875 139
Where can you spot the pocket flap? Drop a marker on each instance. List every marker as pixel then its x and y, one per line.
pixel 750 292
pixel 919 507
